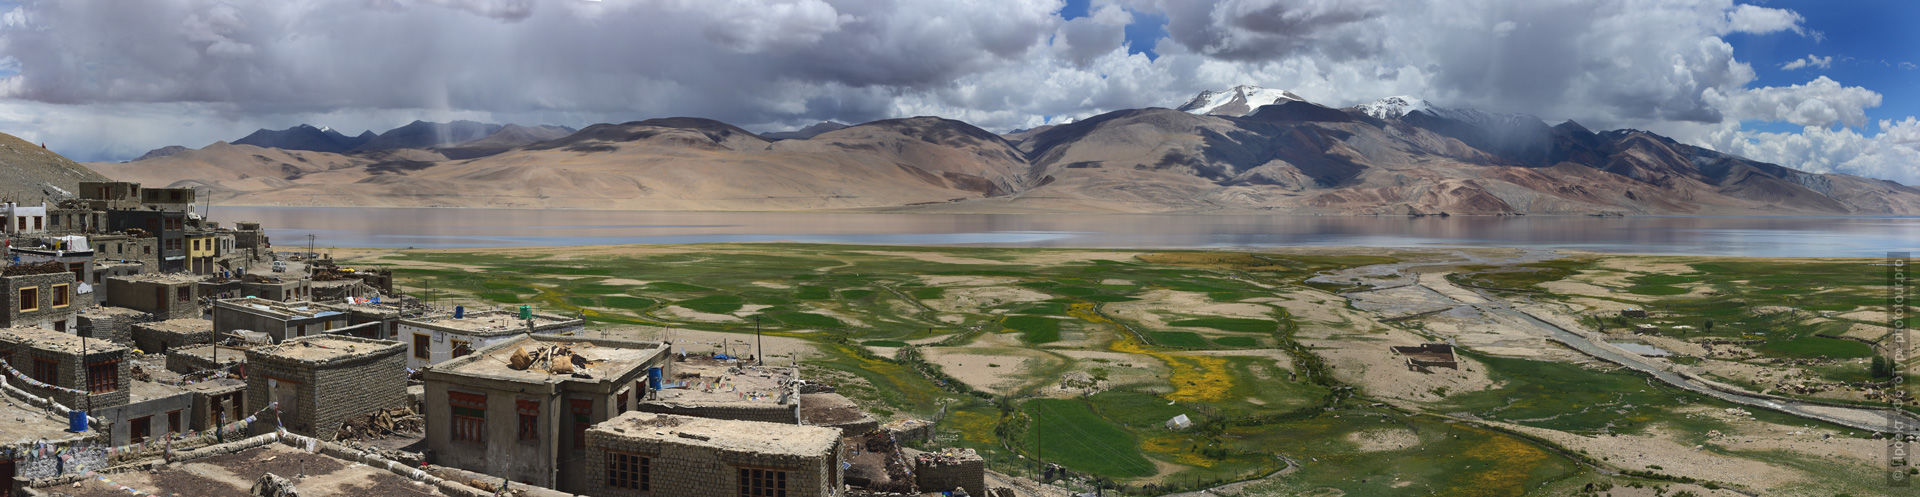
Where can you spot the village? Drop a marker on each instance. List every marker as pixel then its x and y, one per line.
pixel 149 351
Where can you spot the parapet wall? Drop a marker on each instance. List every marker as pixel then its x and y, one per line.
pixel 739 411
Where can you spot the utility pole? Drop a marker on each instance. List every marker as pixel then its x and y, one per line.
pixel 759 345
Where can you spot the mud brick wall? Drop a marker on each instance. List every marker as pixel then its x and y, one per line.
pixel 328 392
pixel 933 475
pixel 691 470
pixel 771 413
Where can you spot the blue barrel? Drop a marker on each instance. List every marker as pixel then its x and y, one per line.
pixel 76 421
pixel 653 379
pixel 459 312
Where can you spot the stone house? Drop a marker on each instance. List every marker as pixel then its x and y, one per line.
pixel 321 381
pixel 664 455
pixel 280 320
pixel 41 295
pixel 164 296
pixel 160 336
pixel 52 364
pixel 520 409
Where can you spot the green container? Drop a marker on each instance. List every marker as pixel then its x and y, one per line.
pixel 526 312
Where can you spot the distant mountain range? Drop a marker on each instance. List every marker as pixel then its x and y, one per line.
pixel 1244 149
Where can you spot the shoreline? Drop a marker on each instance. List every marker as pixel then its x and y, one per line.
pixel 911 210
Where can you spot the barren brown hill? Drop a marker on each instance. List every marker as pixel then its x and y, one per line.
pixel 29 172
pixel 1294 157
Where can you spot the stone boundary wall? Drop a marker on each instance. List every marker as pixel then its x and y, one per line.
pixel 738 411
pixel 933 473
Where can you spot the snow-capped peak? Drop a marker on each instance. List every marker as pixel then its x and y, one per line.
pixel 1237 101
pixel 1392 107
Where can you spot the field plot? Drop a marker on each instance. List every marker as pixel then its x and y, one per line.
pixel 1081 357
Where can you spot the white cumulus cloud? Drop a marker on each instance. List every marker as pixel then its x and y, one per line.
pixel 1810 60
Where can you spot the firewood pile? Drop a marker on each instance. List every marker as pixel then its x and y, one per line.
pixel 385 422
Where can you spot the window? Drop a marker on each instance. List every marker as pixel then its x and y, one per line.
pixel 529 419
pixel 146 249
pixel 103 377
pixel 469 416
pixel 173 422
pixel 623 402
pixel 183 294
pixel 29 299
pixel 46 371
pixel 300 330
pixel 140 428
pixel 422 346
pixel 36 222
pixel 60 326
pixel 756 482
pixel 23 223
pixel 462 348
pixel 60 295
pixel 582 417
pixel 629 471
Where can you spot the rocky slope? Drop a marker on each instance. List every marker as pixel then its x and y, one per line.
pixel 29 173
pixel 1399 156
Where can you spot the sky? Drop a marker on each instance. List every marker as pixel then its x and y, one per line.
pixel 1816 85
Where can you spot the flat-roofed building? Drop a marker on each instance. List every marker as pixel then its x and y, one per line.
pixel 165 296
pixel 40 295
pixel 54 365
pixel 437 338
pixel 158 337
pixel 280 320
pixel 322 381
pixel 519 409
pixel 663 455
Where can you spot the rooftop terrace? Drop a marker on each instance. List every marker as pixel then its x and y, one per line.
pixel 705 380
pixel 315 475
pixel 182 325
pixel 603 358
pixel 492 322
pixel 281 310
pixel 162 278
pixel 326 348
pixel 742 436
pixel 45 339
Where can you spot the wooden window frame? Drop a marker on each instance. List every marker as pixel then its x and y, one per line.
pixel 139 429
pixel 30 296
pixel 59 294
pixel 173 422
pixel 763 482
pixel 469 415
pixel 103 377
pixel 529 416
pixel 423 346
pixel 46 371
pixel 627 470
pixel 582 410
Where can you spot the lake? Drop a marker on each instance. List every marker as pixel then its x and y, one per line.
pixel 379 227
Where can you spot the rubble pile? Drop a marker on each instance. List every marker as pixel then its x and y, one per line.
pixel 272 485
pixel 557 359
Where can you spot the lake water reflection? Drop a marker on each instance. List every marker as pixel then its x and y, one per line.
pixel 460 228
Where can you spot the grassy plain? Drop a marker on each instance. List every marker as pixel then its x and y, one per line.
pixel 1203 334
